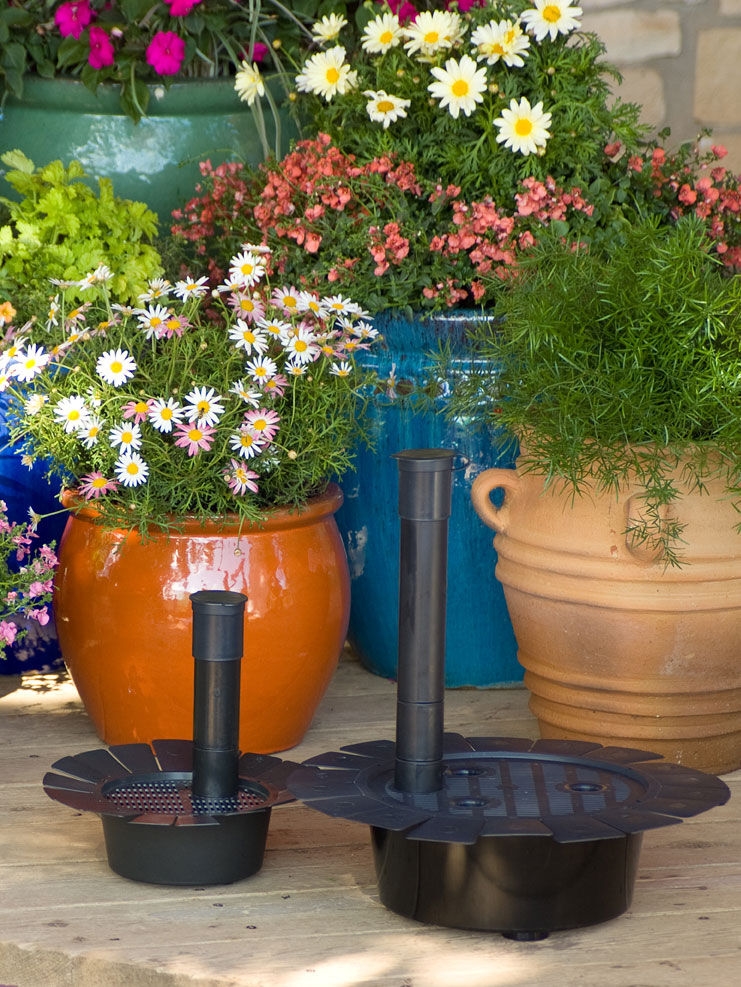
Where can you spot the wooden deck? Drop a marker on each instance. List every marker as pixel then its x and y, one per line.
pixel 311 917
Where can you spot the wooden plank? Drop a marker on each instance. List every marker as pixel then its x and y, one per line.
pixel 311 917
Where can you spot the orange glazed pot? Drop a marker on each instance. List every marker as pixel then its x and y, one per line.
pixel 124 620
pixel 617 648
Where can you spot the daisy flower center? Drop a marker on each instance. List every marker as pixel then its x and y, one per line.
pixel 98 482
pixel 116 366
pixel 523 127
pixel 384 106
pixel 333 76
pixel 460 88
pixel 386 37
pixel 432 37
pixel 551 14
pixel 132 469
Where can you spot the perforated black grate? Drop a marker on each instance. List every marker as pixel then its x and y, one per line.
pixel 170 794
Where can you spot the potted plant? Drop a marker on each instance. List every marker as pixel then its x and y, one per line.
pixel 618 539
pixel 59 228
pixel 78 76
pixel 26 573
pixel 383 199
pixel 196 432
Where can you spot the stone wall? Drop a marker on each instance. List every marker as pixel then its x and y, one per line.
pixel 680 59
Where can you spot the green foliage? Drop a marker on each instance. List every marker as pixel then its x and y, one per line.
pixel 216 35
pixel 568 75
pixel 60 228
pixel 612 365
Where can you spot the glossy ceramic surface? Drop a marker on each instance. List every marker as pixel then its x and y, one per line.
pixel 480 644
pixel 125 620
pixel 153 161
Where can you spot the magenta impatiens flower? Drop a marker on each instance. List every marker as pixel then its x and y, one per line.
pixel 73 17
pixel 181 8
pixel 102 53
pixel 166 52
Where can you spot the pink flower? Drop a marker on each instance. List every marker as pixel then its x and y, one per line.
pixel 73 17
pixel 166 52
pixel 102 53
pixel 8 631
pixel 258 52
pixel 181 8
pixel 193 437
pixel 94 485
pixel 40 615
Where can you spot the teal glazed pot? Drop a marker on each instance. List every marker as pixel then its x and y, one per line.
pixel 480 643
pixel 153 161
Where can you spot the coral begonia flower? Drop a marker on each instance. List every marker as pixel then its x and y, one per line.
pixel 166 52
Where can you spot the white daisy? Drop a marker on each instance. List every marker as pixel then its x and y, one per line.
pixel 115 367
pixel 549 18
pixel 384 108
pixel 432 31
pixel 342 307
pixel 248 338
pixel 30 363
pixel 248 83
pixel 202 406
pixel 459 85
pixel 326 73
pixel 246 269
pixel 157 288
pixel 261 368
pixel 128 436
pixel 51 315
pixel 35 403
pixel 342 369
pixel 153 320
pixel 191 288
pixel 131 470
pixel 89 433
pixel 523 128
pixel 72 412
pixel 504 40
pixel 328 27
pixel 275 327
pixel 302 347
pixel 246 443
pixel 381 34
pixel 163 414
pixel 246 394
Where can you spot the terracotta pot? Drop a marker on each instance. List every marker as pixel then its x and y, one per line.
pixel 124 620
pixel 617 648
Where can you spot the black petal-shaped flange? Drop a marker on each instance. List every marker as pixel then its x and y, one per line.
pixel 152 785
pixel 572 791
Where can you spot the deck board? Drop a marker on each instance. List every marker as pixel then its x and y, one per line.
pixel 311 917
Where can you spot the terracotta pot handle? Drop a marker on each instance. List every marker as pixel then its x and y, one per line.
pixel 481 489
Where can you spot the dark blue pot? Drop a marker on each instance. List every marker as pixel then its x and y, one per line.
pixel 21 488
pixel 480 644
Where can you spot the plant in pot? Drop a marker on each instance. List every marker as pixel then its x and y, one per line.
pixel 196 434
pixel 58 228
pixel 618 538
pixel 140 89
pixel 381 202
pixel 26 573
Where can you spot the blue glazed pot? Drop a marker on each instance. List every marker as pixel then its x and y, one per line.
pixel 21 488
pixel 481 649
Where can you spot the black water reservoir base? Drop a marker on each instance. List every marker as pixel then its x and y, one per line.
pixel 521 886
